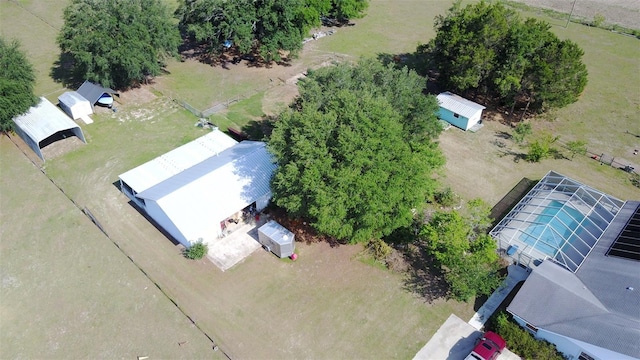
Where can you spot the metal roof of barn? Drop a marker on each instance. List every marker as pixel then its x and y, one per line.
pixel 458 104
pixel 215 188
pixel 44 120
pixel 177 160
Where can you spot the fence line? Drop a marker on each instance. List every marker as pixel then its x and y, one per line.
pixel 222 105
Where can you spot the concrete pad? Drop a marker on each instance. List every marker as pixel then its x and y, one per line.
pixel 454 341
pixel 232 249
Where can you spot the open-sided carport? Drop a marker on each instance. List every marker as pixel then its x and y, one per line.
pixel 44 124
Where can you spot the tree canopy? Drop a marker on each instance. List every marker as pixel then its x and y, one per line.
pixel 355 151
pixel 487 48
pixel 17 80
pixel 462 249
pixel 118 42
pixel 266 26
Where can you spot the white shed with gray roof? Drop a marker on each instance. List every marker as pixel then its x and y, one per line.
pixel 459 111
pixel 45 122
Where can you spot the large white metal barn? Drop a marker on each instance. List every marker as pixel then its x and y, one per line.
pixel 193 190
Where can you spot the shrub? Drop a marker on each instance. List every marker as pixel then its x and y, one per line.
pixel 635 180
pixel 380 250
pixel 446 197
pixel 521 341
pixel 197 251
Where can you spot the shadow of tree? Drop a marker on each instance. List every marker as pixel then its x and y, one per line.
pixel 517 156
pixel 63 71
pixel 259 130
pixel 423 278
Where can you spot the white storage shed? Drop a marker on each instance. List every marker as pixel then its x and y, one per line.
pixel 459 111
pixel 76 106
pixel 277 239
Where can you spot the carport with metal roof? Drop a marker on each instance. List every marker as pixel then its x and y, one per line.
pixel 44 124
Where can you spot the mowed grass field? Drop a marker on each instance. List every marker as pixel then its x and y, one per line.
pixel 67 291
pixel 325 305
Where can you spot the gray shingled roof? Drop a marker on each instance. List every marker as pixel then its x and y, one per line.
pixel 594 305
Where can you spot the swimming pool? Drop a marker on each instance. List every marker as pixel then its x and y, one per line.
pixel 552 228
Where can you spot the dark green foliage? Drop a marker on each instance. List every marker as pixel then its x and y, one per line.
pixel 521 341
pixel 446 197
pixel 463 251
pixel 487 48
pixel 118 43
pixel 353 144
pixel 521 131
pixel 16 84
pixel 266 26
pixel 197 251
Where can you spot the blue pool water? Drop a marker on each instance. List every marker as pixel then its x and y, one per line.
pixel 553 228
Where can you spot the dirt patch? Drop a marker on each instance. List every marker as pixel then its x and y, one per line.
pixel 621 12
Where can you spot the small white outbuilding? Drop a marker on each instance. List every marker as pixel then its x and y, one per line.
pixel 277 239
pixel 76 106
pixel 458 111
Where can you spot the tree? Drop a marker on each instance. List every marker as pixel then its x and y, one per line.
pixel 487 48
pixel 347 153
pixel 118 43
pixel 522 130
pixel 463 251
pixel 17 80
pixel 266 26
pixel 577 147
pixel 542 148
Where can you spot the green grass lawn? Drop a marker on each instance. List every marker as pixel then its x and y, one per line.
pixel 326 304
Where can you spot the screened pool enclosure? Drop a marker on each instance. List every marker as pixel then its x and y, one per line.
pixel 559 219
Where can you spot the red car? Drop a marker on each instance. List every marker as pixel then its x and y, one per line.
pixel 488 347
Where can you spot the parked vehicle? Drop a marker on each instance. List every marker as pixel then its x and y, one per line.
pixel 489 347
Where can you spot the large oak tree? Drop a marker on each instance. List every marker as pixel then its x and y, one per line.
pixel 118 42
pixel 355 151
pixel 17 80
pixel 487 48
pixel 266 26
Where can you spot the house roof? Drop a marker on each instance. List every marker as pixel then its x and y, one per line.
pixel 598 304
pixel 458 104
pixel 214 188
pixel 177 160
pixel 44 120
pixel 93 92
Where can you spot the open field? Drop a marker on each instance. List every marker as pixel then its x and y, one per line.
pixel 67 291
pixel 325 305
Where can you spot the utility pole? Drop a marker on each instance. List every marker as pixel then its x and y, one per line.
pixel 570 13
